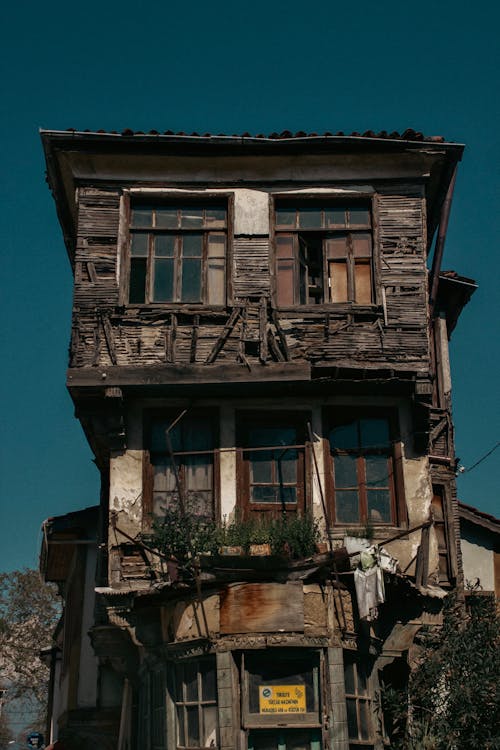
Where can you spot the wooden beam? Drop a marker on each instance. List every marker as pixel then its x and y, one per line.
pixel 186 374
pixel 224 335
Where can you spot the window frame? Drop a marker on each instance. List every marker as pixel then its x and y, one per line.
pixel 333 415
pixel 182 702
pixel 152 415
pixel 244 421
pixel 157 198
pixel 322 201
pixel 308 720
pixel 351 658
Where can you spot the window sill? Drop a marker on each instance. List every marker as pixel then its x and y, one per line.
pixel 336 307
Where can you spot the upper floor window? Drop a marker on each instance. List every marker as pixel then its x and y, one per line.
pixel 178 253
pixel 271 471
pixel 323 253
pixel 181 464
pixel 362 469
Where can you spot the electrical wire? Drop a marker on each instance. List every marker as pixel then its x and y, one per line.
pixel 464 470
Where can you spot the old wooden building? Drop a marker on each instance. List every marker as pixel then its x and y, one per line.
pixel 259 354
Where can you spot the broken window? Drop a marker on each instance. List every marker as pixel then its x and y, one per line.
pixel 178 253
pixel 358 702
pixel 323 253
pixel 362 469
pixel 272 462
pixel 182 463
pixel 196 704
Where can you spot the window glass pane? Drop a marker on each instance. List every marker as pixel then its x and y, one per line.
pixel 209 737
pixel 215 216
pixel 345 436
pixel 285 217
pixel 375 433
pixel 345 471
pixel 208 682
pixel 139 244
pixel 216 271
pixel 350 684
pixel 142 217
pixel 192 245
pixel 362 679
pixel 363 283
pixel 377 471
pixel 288 669
pixel 191 280
pixel 193 726
pixel 347 506
pixel 216 283
pixel 352 719
pixel 359 216
pixel 335 217
pixel 310 218
pixel 216 245
pixel 163 281
pixel 266 494
pixel 286 463
pixel 137 293
pixel 197 433
pixel 338 282
pixel 166 217
pixel 285 282
pixel 364 720
pixel 379 506
pixel 261 467
pixel 191 681
pixel 198 472
pixel 180 726
pixel 164 478
pixel 165 245
pixel 191 217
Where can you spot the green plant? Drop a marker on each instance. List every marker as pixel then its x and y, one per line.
pixel 182 537
pixel 297 534
pixel 453 696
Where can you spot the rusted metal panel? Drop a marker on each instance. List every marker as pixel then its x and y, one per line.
pixel 262 608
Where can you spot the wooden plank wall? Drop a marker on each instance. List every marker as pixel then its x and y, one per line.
pixel 393 333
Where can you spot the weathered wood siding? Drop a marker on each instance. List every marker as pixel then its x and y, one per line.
pixel 391 334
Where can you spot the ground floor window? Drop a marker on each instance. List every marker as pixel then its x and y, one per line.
pixel 196 704
pixel 281 688
pixel 358 702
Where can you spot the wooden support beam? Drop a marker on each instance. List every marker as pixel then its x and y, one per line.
pixel 263 351
pixel 281 335
pixel 224 335
pixel 194 338
pixel 110 339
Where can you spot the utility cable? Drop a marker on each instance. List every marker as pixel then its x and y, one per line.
pixel 464 470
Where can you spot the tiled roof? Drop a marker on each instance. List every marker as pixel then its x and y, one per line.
pixel 471 513
pixel 408 135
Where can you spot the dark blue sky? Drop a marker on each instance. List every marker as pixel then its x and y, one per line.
pixel 227 68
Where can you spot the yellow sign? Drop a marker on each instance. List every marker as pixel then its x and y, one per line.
pixel 282 699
